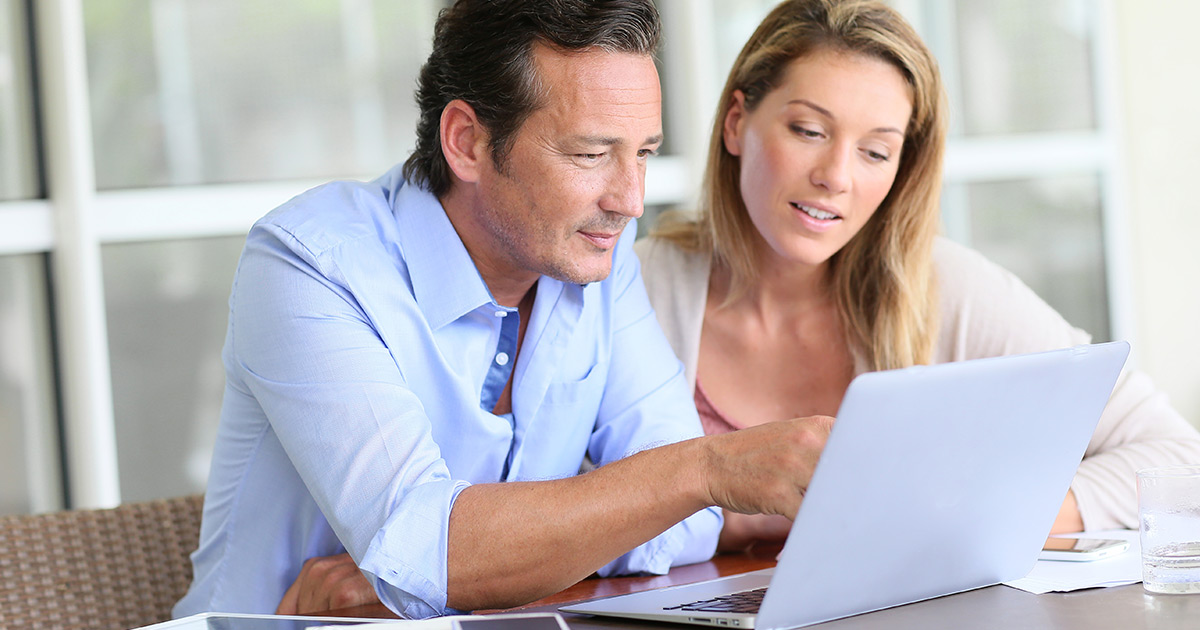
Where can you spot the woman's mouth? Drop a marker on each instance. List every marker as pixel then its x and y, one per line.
pixel 816 213
pixel 816 219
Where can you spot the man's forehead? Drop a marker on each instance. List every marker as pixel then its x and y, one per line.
pixel 601 87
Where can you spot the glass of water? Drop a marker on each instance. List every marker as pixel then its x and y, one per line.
pixel 1169 507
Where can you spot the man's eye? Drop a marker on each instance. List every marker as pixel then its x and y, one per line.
pixel 590 157
pixel 645 153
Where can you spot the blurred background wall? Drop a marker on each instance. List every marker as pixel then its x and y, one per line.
pixel 139 139
pixel 1159 65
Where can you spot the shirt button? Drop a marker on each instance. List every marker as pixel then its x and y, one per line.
pixel 502 358
pixel 501 314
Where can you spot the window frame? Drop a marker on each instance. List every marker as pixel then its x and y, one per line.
pixel 75 218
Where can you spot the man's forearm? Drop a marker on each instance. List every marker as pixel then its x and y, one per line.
pixel 512 543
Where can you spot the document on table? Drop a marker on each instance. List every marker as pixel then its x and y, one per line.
pixel 1056 576
pixel 518 621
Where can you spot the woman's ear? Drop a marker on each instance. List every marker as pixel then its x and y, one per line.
pixel 464 140
pixel 735 120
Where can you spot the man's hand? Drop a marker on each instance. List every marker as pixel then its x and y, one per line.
pixel 327 583
pixel 503 535
pixel 765 469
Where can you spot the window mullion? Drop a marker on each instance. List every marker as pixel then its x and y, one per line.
pixel 1118 258
pixel 85 382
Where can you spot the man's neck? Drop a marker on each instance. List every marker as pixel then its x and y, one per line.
pixel 507 283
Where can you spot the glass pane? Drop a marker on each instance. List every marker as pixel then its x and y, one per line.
pixel 735 21
pixel 1025 65
pixel 211 91
pixel 167 311
pixel 1049 233
pixel 29 464
pixel 18 165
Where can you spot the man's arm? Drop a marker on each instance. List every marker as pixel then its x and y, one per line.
pixel 513 543
pixel 377 476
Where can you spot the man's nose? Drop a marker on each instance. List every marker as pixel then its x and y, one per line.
pixel 626 190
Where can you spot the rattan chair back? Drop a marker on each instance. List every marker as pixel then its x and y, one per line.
pixel 97 569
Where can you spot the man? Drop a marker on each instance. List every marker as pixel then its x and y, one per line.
pixel 397 349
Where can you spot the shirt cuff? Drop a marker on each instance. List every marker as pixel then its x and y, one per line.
pixel 691 540
pixel 408 555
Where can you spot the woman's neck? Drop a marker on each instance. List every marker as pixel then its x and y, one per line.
pixel 782 291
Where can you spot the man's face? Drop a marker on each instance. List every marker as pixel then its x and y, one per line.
pixel 576 172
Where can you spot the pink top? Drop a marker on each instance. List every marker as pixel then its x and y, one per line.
pixel 711 418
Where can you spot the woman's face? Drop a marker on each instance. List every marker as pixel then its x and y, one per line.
pixel 820 152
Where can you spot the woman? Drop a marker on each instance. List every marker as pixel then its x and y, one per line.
pixel 815 258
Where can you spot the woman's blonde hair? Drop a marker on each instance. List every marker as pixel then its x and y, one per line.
pixel 882 279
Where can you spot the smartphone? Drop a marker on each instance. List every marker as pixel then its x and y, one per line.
pixel 1081 549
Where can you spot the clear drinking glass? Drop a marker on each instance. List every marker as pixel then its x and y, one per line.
pixel 1169 507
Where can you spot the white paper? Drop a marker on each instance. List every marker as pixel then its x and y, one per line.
pixel 1054 576
pixel 437 623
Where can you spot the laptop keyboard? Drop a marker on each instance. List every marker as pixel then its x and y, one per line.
pixel 741 602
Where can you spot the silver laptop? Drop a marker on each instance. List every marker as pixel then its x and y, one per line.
pixel 935 480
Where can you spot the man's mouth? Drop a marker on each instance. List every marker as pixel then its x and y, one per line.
pixel 603 240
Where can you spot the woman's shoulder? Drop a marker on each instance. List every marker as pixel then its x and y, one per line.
pixel 964 274
pixel 987 310
pixel 658 250
pixel 677 284
pixel 664 262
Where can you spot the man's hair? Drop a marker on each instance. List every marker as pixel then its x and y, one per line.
pixel 483 55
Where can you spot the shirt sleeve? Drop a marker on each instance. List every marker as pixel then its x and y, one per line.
pixel 647 403
pixel 987 311
pixel 336 397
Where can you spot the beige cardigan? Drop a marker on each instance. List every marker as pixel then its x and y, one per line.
pixel 985 311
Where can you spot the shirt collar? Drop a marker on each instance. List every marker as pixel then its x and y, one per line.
pixel 445 282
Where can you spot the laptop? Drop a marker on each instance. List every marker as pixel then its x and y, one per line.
pixel 935 480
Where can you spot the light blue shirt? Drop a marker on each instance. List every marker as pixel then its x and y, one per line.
pixel 363 358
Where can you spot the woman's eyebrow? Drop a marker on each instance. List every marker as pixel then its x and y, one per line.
pixel 828 114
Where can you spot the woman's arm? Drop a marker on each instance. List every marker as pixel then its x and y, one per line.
pixel 987 311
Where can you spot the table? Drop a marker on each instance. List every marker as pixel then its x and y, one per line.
pixel 991 608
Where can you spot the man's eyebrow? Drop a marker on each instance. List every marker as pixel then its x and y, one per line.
pixel 609 141
pixel 828 114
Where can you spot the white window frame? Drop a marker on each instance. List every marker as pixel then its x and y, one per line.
pixel 77 218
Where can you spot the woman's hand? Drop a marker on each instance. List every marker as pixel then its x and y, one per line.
pixel 743 531
pixel 1069 519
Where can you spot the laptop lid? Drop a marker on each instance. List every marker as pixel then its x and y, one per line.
pixel 935 480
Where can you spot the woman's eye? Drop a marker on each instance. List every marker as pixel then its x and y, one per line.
pixel 806 132
pixel 876 156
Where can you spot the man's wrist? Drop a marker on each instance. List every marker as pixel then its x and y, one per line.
pixel 695 469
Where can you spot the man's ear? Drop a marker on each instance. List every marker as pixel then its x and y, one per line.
pixel 735 119
pixel 464 141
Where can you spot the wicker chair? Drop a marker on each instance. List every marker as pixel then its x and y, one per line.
pixel 97 569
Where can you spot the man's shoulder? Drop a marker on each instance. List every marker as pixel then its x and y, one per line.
pixel 334 214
